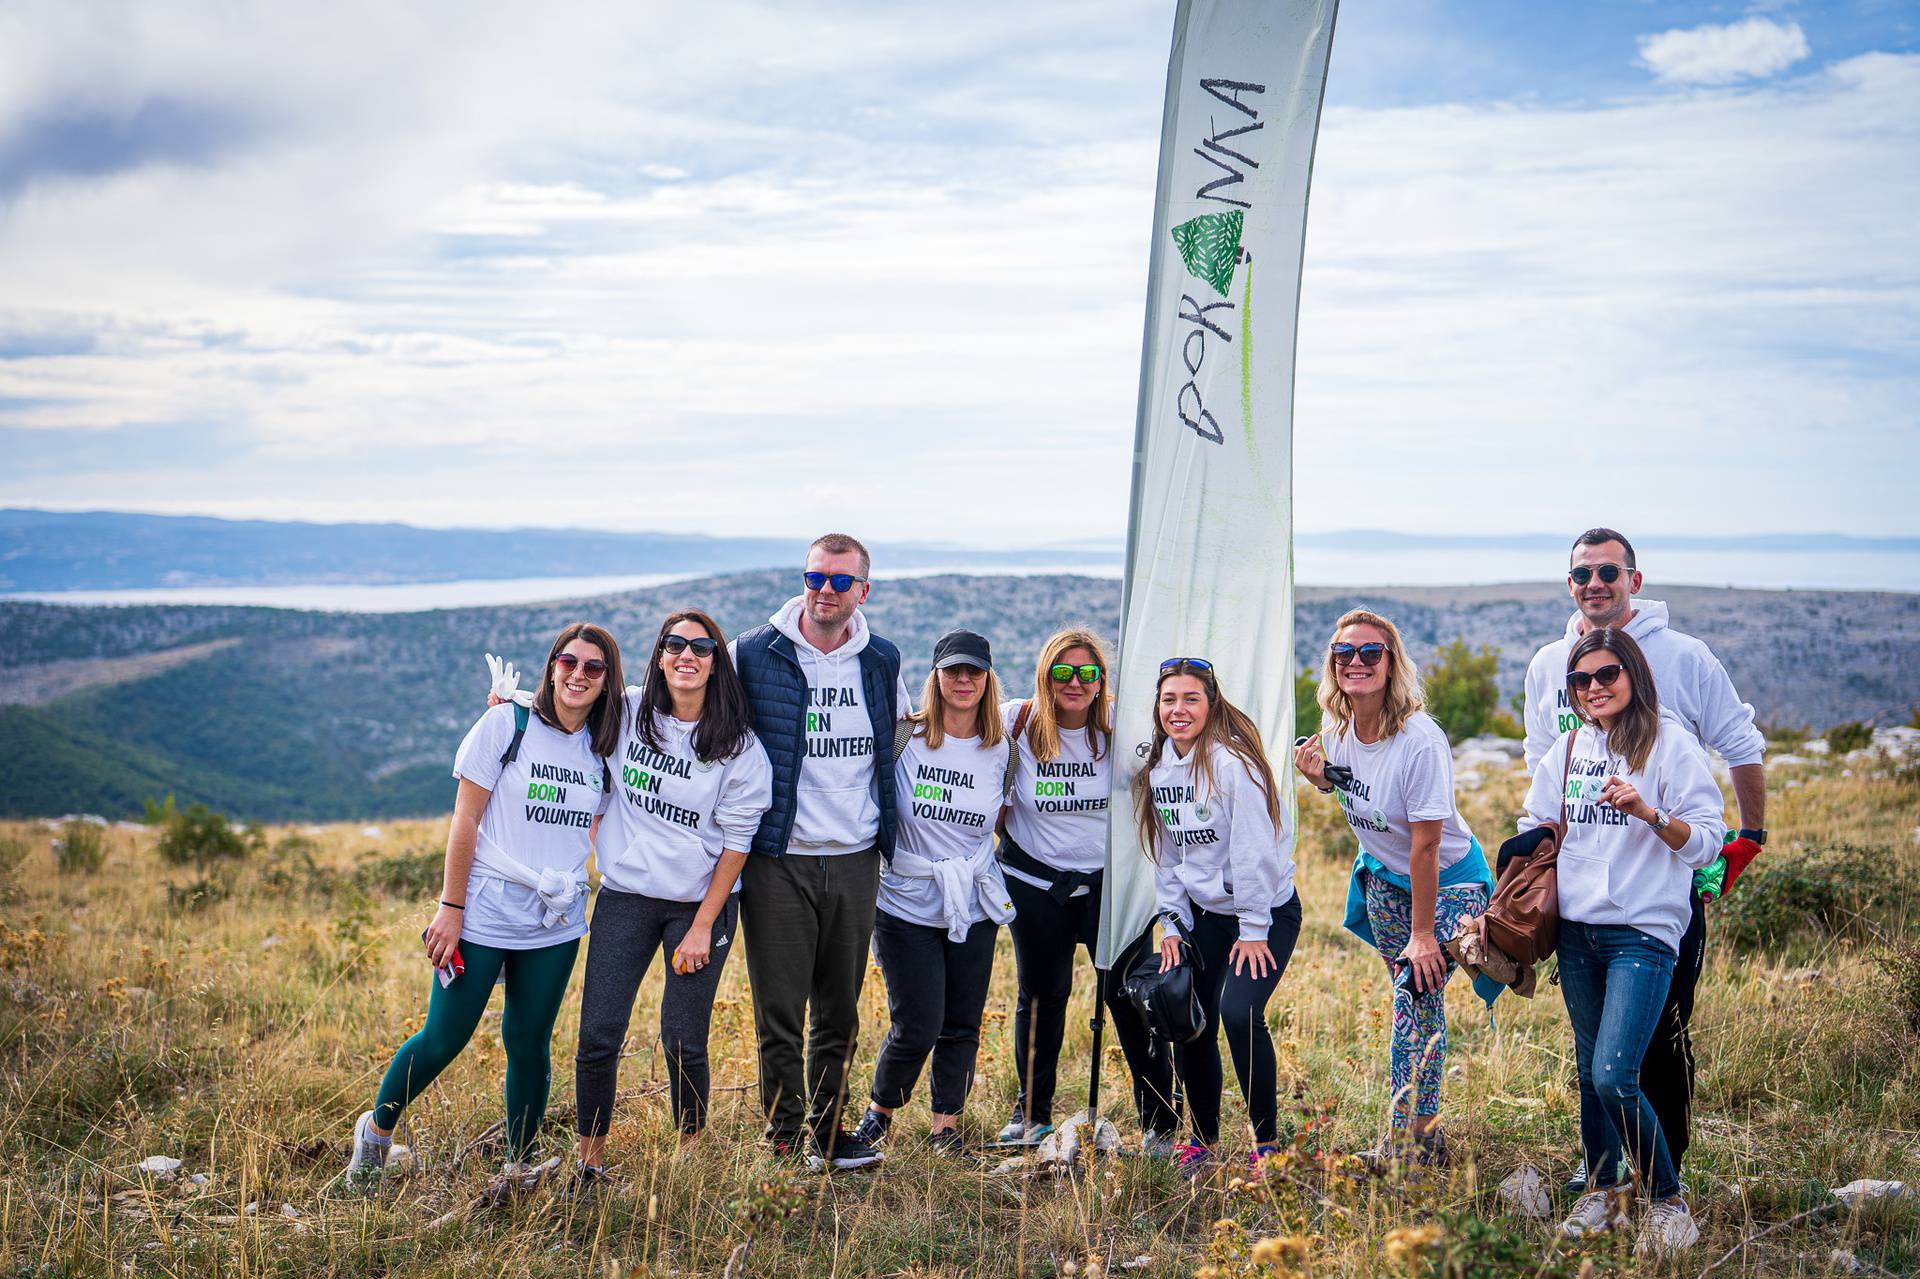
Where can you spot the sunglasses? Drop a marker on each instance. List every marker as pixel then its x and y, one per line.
pixel 842 582
pixel 1064 671
pixel 1365 654
pixel 1581 681
pixel 1198 663
pixel 1609 573
pixel 678 644
pixel 592 668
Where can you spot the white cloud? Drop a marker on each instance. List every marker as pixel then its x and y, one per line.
pixel 1750 49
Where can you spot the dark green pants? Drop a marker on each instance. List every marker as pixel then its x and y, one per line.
pixel 536 983
pixel 808 922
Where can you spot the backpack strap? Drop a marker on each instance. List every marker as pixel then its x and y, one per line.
pixel 520 716
pixel 902 734
pixel 1013 765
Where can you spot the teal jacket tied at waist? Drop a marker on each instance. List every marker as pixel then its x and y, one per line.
pixel 1471 869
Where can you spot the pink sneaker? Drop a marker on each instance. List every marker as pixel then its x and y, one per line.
pixel 1192 1161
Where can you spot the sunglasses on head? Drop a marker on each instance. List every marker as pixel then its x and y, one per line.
pixel 1581 681
pixel 1061 672
pixel 1365 654
pixel 842 582
pixel 1609 573
pixel 1198 663
pixel 678 644
pixel 592 667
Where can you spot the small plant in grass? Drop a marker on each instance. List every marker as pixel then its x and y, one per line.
pixel 13 851
pixel 201 837
pixel 409 873
pixel 1814 892
pixel 1851 736
pixel 80 849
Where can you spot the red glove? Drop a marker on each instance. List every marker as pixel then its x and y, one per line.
pixel 1738 853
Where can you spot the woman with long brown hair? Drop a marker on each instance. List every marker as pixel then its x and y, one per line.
pixel 513 897
pixel 1642 813
pixel 1054 851
pixel 1208 811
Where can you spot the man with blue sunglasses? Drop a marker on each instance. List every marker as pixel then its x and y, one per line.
pixel 825 692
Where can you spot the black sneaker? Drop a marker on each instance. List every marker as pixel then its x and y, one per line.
pixel 947 1141
pixel 1576 1185
pixel 872 1127
pixel 585 1184
pixel 843 1151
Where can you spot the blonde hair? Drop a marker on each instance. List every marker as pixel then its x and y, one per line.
pixel 1404 695
pixel 1043 730
pixel 1227 725
pixel 931 717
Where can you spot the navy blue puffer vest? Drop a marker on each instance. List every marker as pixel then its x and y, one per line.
pixel 777 693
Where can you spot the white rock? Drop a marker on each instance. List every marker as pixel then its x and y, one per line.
pixel 313 830
pixel 132 826
pixel 1816 746
pixel 371 832
pixel 94 819
pixel 1470 778
pixel 161 1167
pixel 250 1209
pixel 400 1160
pixel 1844 1261
pixel 1140 1262
pixel 269 941
pixel 1855 1193
pixel 198 1179
pixel 1006 1166
pixel 1899 742
pixel 290 1212
pixel 1788 761
pixel 1525 1193
pixel 1487 743
pixel 1062 1146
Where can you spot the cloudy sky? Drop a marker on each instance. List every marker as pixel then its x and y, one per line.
pixel 753 268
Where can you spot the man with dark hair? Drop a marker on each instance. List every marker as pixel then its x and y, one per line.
pixel 825 692
pixel 1694 689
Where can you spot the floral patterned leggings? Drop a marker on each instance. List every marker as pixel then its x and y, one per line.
pixel 1419 1020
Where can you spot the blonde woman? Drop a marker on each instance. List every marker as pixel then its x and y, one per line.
pixel 1054 851
pixel 1419 871
pixel 942 898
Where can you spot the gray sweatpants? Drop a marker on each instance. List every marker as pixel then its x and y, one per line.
pixel 627 929
pixel 811 922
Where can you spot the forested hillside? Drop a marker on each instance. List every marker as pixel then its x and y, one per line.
pixel 287 715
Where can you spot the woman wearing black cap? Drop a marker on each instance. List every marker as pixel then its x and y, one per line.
pixel 942 900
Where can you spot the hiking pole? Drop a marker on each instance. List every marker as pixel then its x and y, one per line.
pixel 1098 1023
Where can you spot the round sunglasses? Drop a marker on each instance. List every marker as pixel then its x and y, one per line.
pixel 592 667
pixel 1608 573
pixel 1581 681
pixel 1061 672
pixel 701 646
pixel 1365 654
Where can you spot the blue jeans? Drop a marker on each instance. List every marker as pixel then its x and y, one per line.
pixel 1614 979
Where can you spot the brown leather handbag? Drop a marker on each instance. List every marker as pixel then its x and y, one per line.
pixel 1523 920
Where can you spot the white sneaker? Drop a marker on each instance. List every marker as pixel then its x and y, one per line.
pixel 368 1159
pixel 1594 1213
pixel 1666 1229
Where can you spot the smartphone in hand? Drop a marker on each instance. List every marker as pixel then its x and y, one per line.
pixel 453 966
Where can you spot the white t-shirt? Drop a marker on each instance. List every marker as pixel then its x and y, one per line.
pixel 673 814
pixel 1059 812
pixel 540 814
pixel 1219 848
pixel 1398 780
pixel 1614 868
pixel 949 799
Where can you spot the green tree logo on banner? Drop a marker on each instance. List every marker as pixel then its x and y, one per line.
pixel 1210 246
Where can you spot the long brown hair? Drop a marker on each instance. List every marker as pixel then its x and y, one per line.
pixel 1043 730
pixel 603 717
pixel 1634 729
pixel 1227 725
pixel 726 723
pixel 1403 679
pixel 930 719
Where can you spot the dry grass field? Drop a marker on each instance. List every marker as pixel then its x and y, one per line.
pixel 237 1020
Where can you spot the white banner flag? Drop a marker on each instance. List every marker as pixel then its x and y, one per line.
pixel 1210 539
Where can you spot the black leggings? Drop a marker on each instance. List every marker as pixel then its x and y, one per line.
pixel 1666 1071
pixel 936 991
pixel 1238 1002
pixel 627 929
pixel 1045 934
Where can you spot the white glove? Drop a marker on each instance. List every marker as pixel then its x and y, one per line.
pixel 506 681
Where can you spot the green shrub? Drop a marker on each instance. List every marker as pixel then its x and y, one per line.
pixel 201 837
pixel 201 893
pixel 80 848
pixel 1463 689
pixel 1808 892
pixel 13 851
pixel 1306 704
pixel 410 873
pixel 1501 724
pixel 1851 736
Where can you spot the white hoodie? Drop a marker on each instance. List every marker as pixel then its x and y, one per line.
pixel 1220 850
pixel 1614 868
pixel 1692 684
pixel 837 802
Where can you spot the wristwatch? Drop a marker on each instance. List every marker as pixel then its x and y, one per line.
pixel 1660 820
pixel 1757 836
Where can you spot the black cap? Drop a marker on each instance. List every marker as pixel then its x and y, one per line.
pixel 962 648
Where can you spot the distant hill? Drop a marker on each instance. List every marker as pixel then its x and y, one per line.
pixel 110 550
pixel 288 715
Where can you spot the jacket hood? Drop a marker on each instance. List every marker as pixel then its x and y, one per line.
pixel 1648 616
pixel 786 620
